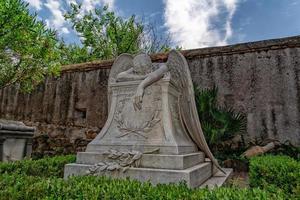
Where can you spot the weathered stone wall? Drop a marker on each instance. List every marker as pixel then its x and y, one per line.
pixel 68 111
pixel 261 79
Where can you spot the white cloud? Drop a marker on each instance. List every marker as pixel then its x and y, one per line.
pixel 57 11
pixel 110 3
pixel 57 20
pixel 88 5
pixel 57 14
pixel 72 1
pixel 192 23
pixel 37 4
pixel 65 30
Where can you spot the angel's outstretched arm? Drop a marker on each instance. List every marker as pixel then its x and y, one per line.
pixel 151 78
pixel 128 76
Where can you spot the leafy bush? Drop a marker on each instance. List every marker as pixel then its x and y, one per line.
pixel 275 173
pixel 46 167
pixel 218 123
pixel 91 187
pixel 28 49
pixel 288 149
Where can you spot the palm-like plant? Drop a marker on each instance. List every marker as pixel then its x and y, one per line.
pixel 218 123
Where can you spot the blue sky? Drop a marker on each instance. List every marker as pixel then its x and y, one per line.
pixel 190 23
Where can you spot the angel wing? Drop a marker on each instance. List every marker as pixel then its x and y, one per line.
pixel 122 63
pixel 181 76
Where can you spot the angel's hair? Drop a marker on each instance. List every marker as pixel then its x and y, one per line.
pixel 140 53
pixel 142 63
pixel 143 56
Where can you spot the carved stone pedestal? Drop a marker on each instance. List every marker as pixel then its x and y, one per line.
pixel 154 135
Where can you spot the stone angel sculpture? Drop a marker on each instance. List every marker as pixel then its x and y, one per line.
pixel 140 68
pixel 152 132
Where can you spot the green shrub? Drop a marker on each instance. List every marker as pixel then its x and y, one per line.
pixel 275 173
pixel 46 167
pixel 288 149
pixel 277 177
pixel 218 123
pixel 90 187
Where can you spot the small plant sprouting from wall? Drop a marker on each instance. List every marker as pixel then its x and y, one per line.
pixel 218 123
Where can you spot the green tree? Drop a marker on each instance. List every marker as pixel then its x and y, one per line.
pixel 28 50
pixel 74 53
pixel 105 35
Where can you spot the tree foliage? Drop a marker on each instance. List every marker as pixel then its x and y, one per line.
pixel 28 50
pixel 105 35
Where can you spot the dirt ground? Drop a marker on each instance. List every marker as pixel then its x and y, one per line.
pixel 240 179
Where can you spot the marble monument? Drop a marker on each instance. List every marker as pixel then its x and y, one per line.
pixel 15 140
pixel 152 132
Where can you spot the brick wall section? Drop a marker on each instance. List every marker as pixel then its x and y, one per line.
pixel 261 79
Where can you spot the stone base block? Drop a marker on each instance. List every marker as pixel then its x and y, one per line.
pixel 160 161
pixel 193 176
pixel 218 179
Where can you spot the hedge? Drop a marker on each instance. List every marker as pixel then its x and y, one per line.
pixel 276 176
pixel 46 167
pixel 90 187
pixel 275 173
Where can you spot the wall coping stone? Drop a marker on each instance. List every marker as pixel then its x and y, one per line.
pixel 264 45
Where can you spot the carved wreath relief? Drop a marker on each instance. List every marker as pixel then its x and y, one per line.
pixel 137 122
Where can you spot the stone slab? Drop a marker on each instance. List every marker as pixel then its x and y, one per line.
pixel 160 161
pixel 13 149
pixel 193 176
pixel 218 179
pixel 16 126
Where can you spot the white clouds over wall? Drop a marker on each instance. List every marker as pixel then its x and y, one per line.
pixel 88 5
pixel 199 23
pixel 191 23
pixel 36 4
pixel 57 20
pixel 57 9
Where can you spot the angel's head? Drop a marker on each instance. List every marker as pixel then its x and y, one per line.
pixel 142 63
